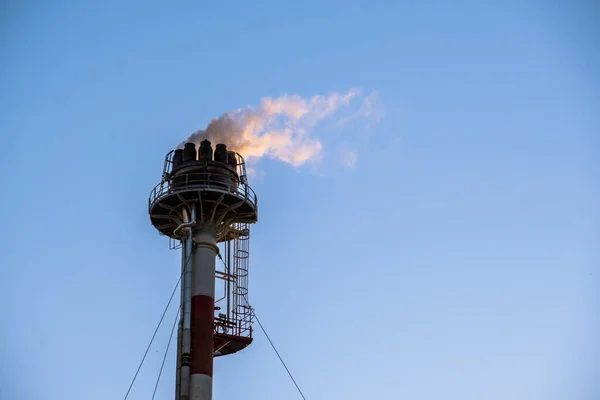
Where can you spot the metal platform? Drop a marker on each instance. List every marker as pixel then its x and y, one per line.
pixel 229 344
pixel 219 201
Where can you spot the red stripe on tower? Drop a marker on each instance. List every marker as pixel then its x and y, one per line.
pixel 202 335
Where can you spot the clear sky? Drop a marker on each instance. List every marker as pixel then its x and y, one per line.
pixel 457 259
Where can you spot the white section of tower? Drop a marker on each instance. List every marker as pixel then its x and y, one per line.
pixel 201 387
pixel 203 300
pixel 203 261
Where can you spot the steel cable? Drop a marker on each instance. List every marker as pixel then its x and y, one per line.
pixel 270 341
pixel 156 330
pixel 165 356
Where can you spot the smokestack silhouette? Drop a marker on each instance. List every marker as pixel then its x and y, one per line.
pixel 278 128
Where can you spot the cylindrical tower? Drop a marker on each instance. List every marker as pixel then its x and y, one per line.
pixel 202 202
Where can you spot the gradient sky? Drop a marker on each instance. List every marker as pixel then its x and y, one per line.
pixel 458 259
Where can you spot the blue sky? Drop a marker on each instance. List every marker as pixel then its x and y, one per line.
pixel 457 259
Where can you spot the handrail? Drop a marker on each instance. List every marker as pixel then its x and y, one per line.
pixel 201 181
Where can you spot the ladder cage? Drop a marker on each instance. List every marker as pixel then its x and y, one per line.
pixel 233 315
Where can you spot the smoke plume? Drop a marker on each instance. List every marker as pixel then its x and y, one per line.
pixel 278 128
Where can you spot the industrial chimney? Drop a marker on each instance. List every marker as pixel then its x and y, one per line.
pixel 204 205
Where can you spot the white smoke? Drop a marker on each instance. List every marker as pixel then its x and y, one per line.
pixel 278 128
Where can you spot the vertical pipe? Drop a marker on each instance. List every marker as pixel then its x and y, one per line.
pixel 203 305
pixel 187 310
pixel 180 327
pixel 228 271
pixel 178 365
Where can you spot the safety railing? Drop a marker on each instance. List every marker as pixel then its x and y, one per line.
pixel 211 181
pixel 240 165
